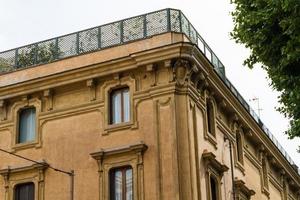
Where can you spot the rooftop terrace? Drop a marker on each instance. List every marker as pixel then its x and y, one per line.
pixel 118 33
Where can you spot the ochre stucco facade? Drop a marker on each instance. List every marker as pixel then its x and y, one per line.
pixel 166 142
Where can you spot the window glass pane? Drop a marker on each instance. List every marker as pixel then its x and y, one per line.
pixel 24 192
pixel 239 147
pixel 129 192
pixel 210 118
pixel 126 101
pixel 116 107
pixel 27 122
pixel 118 185
pixel 213 189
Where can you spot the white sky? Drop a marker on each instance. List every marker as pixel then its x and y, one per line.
pixel 23 22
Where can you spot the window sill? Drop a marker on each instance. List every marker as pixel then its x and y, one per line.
pixel 265 191
pixel 25 145
pixel 212 139
pixel 240 166
pixel 119 126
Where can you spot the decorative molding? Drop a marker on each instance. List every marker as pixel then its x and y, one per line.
pixel 3 110
pixel 181 71
pixel 91 84
pixel 48 94
pixel 210 159
pixel 168 64
pixel 138 148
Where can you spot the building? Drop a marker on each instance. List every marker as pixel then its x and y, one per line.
pixel 139 109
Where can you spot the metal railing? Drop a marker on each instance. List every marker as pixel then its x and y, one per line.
pixel 118 33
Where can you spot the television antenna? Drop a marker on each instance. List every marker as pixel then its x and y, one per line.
pixel 256 100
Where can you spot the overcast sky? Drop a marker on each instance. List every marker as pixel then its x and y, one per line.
pixel 27 21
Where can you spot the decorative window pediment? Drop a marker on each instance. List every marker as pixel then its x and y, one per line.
pixel 211 161
pixel 242 191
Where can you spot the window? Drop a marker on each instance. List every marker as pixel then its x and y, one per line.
pixel 24 191
pixel 214 174
pixel 121 172
pixel 239 146
pixel 27 125
pixel 210 116
pixel 265 174
pixel 213 188
pixel 26 182
pixel 121 184
pixel 119 106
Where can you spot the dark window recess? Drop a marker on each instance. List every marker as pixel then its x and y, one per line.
pixel 213 189
pixel 24 191
pixel 239 148
pixel 210 118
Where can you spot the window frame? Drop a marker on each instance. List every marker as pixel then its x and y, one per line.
pixel 16 109
pixel 265 175
pixel 211 137
pixel 19 125
pixel 106 89
pixel 239 147
pixel 210 115
pixel 214 169
pixel 118 157
pixel 113 171
pixel 121 90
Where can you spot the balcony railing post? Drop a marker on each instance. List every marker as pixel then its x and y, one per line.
pixel 168 20
pixel 180 22
pixel 56 56
pixel 121 32
pixel 35 54
pixel 16 58
pixel 77 43
pixel 99 37
pixel 145 25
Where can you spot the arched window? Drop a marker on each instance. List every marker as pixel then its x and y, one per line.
pixel 121 184
pixel 24 191
pixel 119 106
pixel 27 125
pixel 210 116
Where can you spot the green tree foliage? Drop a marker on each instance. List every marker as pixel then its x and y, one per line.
pixel 32 55
pixel 37 55
pixel 271 30
pixel 4 65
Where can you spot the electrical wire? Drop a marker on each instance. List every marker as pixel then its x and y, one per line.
pixel 40 163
